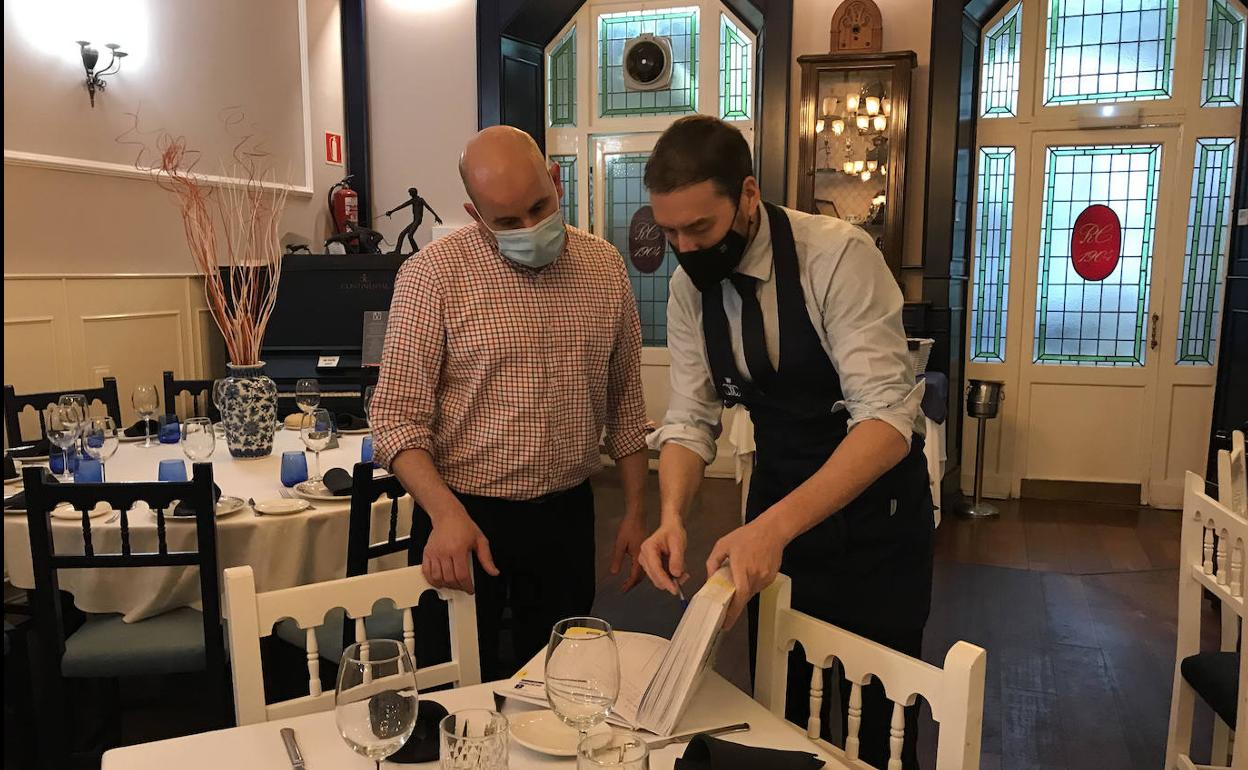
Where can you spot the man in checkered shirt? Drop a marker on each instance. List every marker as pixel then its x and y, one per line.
pixel 512 345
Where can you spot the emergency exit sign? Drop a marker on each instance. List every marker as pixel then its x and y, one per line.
pixel 333 149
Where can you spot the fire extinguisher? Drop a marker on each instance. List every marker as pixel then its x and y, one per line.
pixel 344 205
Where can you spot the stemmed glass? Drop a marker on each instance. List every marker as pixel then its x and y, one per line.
pixel 145 401
pixel 101 439
pixel 582 672
pixel 63 429
pixel 317 431
pixel 375 701
pixel 198 440
pixel 79 403
pixel 307 396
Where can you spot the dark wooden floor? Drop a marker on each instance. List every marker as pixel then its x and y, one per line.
pixel 1075 604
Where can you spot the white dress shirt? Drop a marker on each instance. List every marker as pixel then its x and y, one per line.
pixel 854 305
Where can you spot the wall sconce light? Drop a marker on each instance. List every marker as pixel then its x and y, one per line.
pixel 859 166
pixel 872 104
pixel 95 77
pixel 848 167
pixel 887 106
pixel 879 123
pixel 838 126
pixel 872 164
pixel 863 122
pixel 851 102
pixel 819 126
pixel 865 176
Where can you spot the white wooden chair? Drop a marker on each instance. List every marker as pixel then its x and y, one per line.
pixel 251 617
pixel 1232 494
pixel 1219 678
pixel 955 692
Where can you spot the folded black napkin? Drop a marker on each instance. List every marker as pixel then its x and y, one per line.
pixel 10 468
pixel 137 429
pixel 423 745
pixel 351 421
pixel 706 753
pixel 40 448
pixel 18 502
pixel 337 481
pixel 185 509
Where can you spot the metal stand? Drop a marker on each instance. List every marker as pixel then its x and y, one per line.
pixel 978 509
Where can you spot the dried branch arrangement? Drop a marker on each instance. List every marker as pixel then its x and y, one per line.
pixel 231 222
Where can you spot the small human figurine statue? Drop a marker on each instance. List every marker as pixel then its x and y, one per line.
pixel 419 206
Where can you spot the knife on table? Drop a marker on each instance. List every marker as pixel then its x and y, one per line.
pixel 682 737
pixel 292 749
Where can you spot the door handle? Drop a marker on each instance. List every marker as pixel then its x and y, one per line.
pixel 1152 342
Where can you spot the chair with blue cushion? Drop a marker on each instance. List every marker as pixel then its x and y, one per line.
pixel 104 646
pixel 1211 560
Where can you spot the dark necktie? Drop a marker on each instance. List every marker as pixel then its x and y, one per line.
pixel 753 338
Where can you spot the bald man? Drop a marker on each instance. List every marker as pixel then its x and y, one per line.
pixel 512 345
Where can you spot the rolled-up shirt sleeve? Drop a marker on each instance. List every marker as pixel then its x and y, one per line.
pixel 403 408
pixel 693 418
pixel 862 324
pixel 626 406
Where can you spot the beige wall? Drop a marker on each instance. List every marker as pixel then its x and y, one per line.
pixel 191 60
pixel 907 27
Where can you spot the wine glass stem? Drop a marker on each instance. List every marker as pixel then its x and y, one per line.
pixel 67 474
pixel 316 460
pixel 103 477
pixel 147 432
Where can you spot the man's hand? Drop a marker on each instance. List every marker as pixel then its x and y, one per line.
pixel 753 554
pixel 663 557
pixel 447 560
pixel 628 543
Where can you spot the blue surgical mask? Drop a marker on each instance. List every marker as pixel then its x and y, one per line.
pixel 535 246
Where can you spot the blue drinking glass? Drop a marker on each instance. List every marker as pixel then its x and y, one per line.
pixel 366 450
pixel 172 470
pixel 89 471
pixel 170 429
pixel 294 468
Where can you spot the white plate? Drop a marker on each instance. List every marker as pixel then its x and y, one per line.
pixel 225 506
pixel 32 459
pixel 543 732
pixel 65 512
pixel 281 506
pixel 318 491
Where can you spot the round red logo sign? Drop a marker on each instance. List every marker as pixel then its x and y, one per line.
pixel 1096 242
pixel 646 244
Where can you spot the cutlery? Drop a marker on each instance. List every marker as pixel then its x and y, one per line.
pixel 292 749
pixel 682 737
pixel 252 502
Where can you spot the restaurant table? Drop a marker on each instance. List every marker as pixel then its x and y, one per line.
pixel 259 747
pixel 283 551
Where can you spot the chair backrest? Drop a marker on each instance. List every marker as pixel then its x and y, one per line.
pixel 955 693
pixel 252 617
pixel 14 405
pixel 1233 476
pixel 196 388
pixel 366 492
pixel 42 497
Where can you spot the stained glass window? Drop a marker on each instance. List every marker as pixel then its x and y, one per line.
pixel 735 68
pixel 998 90
pixel 1224 55
pixel 1096 323
pixel 625 193
pixel 567 175
pixel 561 73
pixel 1109 50
pixel 1208 237
pixel 678 25
pixel 994 209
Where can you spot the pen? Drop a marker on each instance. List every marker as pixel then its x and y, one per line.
pixel 681 593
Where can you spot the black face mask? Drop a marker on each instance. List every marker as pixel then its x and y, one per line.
pixel 707 267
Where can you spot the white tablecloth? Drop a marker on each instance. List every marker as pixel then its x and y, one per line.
pixel 283 551
pixel 259 747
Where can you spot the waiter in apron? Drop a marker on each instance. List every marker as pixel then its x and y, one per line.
pixel 796 317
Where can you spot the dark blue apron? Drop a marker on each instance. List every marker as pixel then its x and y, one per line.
pixel 868 567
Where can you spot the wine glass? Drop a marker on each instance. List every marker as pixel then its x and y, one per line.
pixel 145 401
pixel 582 672
pixel 101 438
pixel 64 426
pixel 307 395
pixel 317 431
pixel 78 402
pixel 198 440
pixel 375 701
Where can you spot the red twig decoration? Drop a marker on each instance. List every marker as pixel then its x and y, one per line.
pixel 248 206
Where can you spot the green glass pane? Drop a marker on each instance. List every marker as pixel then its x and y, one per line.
pixel 1109 50
pixel 998 91
pixel 624 192
pixel 680 26
pixel 736 56
pixel 1208 238
pixel 994 210
pixel 561 81
pixel 1096 323
pixel 1223 77
pixel 567 175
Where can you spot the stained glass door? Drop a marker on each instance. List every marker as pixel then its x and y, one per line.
pixel 1090 368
